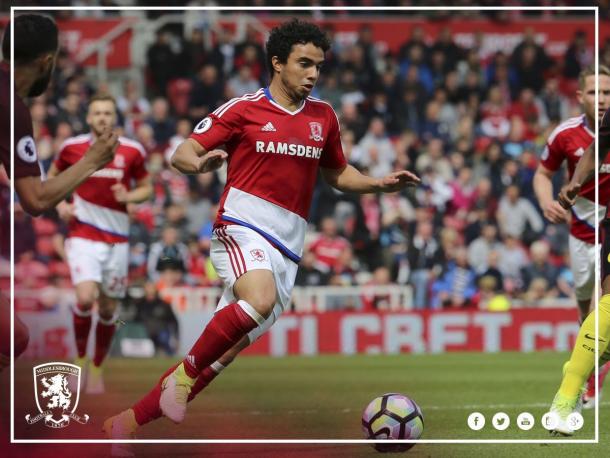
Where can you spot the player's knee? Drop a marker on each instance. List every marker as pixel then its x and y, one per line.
pixel 106 310
pixel 22 337
pixel 85 300
pixel 263 302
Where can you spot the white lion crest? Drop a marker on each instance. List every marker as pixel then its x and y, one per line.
pixel 58 389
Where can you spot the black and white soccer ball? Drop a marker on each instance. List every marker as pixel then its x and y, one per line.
pixel 392 416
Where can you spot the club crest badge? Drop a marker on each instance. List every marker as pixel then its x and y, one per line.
pixel 57 389
pixel 316 131
pixel 257 255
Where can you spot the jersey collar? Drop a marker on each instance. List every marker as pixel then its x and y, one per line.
pixel 274 103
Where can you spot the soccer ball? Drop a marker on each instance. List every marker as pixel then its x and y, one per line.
pixel 392 416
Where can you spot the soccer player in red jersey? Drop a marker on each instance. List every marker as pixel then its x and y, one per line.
pixel 97 246
pixel 568 142
pixel 276 141
pixel 35 51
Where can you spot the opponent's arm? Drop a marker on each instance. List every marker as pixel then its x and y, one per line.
pixel 192 158
pixel 37 196
pixel 543 187
pixel 349 179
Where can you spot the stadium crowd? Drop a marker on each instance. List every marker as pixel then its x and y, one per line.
pixel 471 128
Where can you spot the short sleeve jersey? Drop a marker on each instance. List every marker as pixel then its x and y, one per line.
pixel 98 216
pixel 273 161
pixel 568 142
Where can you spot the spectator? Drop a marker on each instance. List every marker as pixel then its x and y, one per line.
pixel 518 216
pixel 163 125
pixel 480 249
pixel 540 266
pixel 327 248
pixel 425 261
pixel 308 274
pixel 242 83
pixel 206 94
pixel 157 316
pixel 169 253
pixel 160 59
pixel 456 285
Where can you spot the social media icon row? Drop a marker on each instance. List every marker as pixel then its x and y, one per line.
pixel 525 421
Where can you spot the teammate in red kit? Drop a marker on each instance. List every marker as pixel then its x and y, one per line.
pixel 35 51
pixel 276 141
pixel 97 247
pixel 568 142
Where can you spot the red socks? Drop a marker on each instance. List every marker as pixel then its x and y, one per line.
pixel 147 409
pixel 226 328
pixel 103 338
pixel 82 325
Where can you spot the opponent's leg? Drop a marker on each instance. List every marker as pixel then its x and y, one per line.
pixel 582 362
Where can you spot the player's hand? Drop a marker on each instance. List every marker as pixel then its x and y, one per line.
pixel 102 151
pixel 567 195
pixel 398 180
pixel 554 212
pixel 65 211
pixel 212 160
pixel 120 192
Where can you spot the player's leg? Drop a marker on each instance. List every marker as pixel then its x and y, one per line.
pixel 113 289
pixel 582 360
pixel 87 292
pixel 86 272
pixel 22 336
pixel 582 264
pixel 253 284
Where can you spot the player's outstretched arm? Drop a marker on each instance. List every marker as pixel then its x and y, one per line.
pixel 585 170
pixel 38 196
pixel 349 179
pixel 543 187
pixel 191 158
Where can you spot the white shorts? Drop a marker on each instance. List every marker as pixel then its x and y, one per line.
pixel 104 263
pixel 582 263
pixel 236 250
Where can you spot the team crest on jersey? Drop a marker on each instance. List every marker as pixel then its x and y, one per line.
pixel 257 255
pixel 56 390
pixel 26 149
pixel 316 131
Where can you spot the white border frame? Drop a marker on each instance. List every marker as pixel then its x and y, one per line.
pixel 14 9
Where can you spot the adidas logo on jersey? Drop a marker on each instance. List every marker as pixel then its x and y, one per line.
pixel 268 127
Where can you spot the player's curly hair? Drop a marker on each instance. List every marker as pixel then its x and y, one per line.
pixel 284 36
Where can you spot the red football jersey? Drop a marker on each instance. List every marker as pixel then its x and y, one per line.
pixel 273 162
pixel 98 216
pixel 568 142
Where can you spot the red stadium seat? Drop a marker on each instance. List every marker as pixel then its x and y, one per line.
pixel 178 92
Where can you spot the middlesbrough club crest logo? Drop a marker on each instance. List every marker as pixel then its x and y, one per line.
pixel 316 131
pixel 257 255
pixel 57 388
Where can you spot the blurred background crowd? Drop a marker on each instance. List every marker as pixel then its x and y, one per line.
pixel 473 128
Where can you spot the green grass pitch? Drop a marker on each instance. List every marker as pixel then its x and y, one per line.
pixel 323 397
